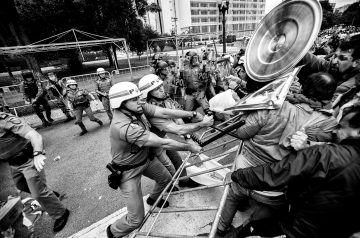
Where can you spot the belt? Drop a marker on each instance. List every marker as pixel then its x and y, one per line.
pixel 129 167
pixel 23 156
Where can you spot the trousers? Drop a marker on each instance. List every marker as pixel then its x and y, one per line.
pixel 196 98
pixel 132 194
pixel 29 180
pixel 79 113
pixel 106 104
pixel 45 103
pixel 266 207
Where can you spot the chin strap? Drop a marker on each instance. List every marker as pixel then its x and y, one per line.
pixel 156 98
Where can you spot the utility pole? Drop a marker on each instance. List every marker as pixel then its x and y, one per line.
pixel 176 38
pixel 224 7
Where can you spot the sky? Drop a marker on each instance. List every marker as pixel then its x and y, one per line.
pixel 270 4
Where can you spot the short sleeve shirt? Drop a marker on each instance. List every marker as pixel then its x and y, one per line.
pixel 12 135
pixel 128 134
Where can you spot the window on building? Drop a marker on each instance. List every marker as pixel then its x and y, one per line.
pixel 235 27
pixel 195 20
pixel 203 4
pixel 212 4
pixel 213 28
pixel 204 12
pixel 195 12
pixel 195 29
pixel 213 19
pixel 212 12
pixel 204 19
pixel 204 29
pixel 194 4
pixel 241 27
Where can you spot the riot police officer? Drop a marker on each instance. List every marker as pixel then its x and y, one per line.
pixel 56 87
pixel 103 85
pixel 196 81
pixel 130 139
pixel 80 101
pixel 22 147
pixel 152 88
pixel 35 94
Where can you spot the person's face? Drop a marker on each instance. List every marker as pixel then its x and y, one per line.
pixel 344 131
pixel 73 86
pixel 158 92
pixel 135 104
pixel 342 61
pixel 164 71
pixel 195 60
pixel 102 75
pixel 172 68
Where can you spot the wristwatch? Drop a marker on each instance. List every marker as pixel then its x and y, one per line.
pixel 187 136
pixel 36 153
pixel 194 114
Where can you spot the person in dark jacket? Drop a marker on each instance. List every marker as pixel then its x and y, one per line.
pixel 322 184
pixel 35 94
pixel 343 66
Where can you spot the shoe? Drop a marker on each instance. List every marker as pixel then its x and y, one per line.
pixel 231 232
pixel 50 120
pixel 188 183
pixel 108 232
pixel 151 202
pixel 83 133
pixel 100 122
pixel 69 119
pixel 61 222
pixel 45 123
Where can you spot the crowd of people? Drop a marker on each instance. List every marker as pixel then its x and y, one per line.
pixel 299 169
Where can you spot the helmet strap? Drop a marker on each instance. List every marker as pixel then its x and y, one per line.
pixel 126 111
pixel 150 96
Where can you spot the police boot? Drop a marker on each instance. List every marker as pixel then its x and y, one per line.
pixel 69 117
pixel 48 116
pixel 83 129
pixel 45 123
pixel 99 122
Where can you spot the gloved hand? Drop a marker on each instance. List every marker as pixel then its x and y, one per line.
pixel 39 162
pixel 227 178
pixel 208 121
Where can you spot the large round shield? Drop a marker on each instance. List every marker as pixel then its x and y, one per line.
pixel 282 38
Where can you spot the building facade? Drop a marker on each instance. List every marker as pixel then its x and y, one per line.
pixel 203 17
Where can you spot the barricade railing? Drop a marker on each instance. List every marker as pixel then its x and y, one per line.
pixel 156 212
pixel 14 98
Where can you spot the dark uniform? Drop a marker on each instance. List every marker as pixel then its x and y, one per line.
pixel 34 93
pixel 196 82
pixel 18 152
pixel 80 101
pixel 103 86
pixel 56 90
pixel 128 134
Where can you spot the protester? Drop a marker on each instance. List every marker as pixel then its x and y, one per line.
pixel 34 93
pixel 130 139
pixel 266 139
pixel 323 191
pixel 56 88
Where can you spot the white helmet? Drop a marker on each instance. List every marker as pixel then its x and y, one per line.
pixel 71 82
pixel 149 82
pixel 100 71
pixel 121 92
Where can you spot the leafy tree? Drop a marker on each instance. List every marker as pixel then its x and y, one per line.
pixel 351 15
